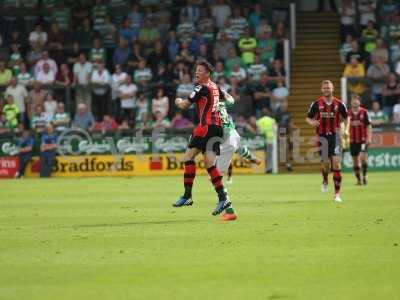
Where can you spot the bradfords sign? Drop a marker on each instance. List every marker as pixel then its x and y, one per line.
pixel 379 159
pixel 8 166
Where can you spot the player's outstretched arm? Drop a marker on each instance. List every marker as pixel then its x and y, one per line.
pixel 312 122
pixel 182 103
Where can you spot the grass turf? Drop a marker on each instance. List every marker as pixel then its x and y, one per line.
pixel 120 238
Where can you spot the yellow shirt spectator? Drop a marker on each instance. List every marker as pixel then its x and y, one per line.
pixel 355 74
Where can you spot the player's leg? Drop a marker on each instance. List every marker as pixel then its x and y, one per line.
pixel 245 153
pixel 355 154
pixel 337 177
pixel 188 177
pixel 325 162
pixel 229 173
pixel 364 164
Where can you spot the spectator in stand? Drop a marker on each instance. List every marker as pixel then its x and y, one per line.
pixel 377 74
pixel 355 74
pixel 377 116
pixel 136 55
pixel 20 97
pixel 135 16
pixel 83 119
pixel 40 120
pixel 264 26
pixel 110 33
pixel 197 44
pixel 24 77
pixel 279 96
pixel 243 98
pixel 15 58
pixel 347 11
pixel 280 36
pixel 223 85
pixel 101 80
pixel 82 74
pixel 157 56
pixel 238 23
pixel 48 148
pixel 158 121
pixel 98 52
pixel 191 11
pixel 185 55
pixel 142 110
pixel 143 74
pixel 391 93
pixel 247 45
pixel 148 34
pixel 277 71
pixel 396 113
pixel 232 60
pixel 185 88
pixel 395 53
pixel 38 36
pixel 50 105
pixel 387 11
pixel 223 45
pixel 25 147
pixel 117 79
pixel 35 98
pixel 346 48
pixel 179 122
pixel 266 126
pixel 45 75
pixel 160 102
pixel 256 16
pixel 206 25
pixel 219 71
pixel 185 29
pixel 84 34
pixel 99 13
pixel 239 73
pixel 5 126
pixel 108 124
pixel 172 45
pixel 61 119
pixel 220 12
pixel 127 95
pixel 62 15
pixel 64 76
pixel 11 112
pixel 72 55
pixel 367 10
pixel 34 55
pixel 121 53
pixel 369 36
pixel 5 74
pixel 46 59
pixel 391 31
pixel 355 52
pixel 381 50
pixel 56 40
pixel 266 47
pixel 127 32
pixel 262 94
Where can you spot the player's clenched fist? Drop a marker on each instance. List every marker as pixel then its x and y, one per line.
pixel 178 101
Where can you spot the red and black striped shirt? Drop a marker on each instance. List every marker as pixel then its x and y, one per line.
pixel 359 122
pixel 206 96
pixel 328 115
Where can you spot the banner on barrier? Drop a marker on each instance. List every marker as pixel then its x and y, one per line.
pixel 8 166
pixel 379 159
pixel 134 165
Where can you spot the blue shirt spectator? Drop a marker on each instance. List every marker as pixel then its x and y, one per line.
pixel 83 119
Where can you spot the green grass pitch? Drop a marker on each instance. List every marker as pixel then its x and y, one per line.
pixel 119 238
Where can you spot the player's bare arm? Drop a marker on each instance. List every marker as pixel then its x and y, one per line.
pixel 312 122
pixel 369 134
pixel 182 103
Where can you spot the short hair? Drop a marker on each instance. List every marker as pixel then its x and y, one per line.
pixel 327 82
pixel 205 64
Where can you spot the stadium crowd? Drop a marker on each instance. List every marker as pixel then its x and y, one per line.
pixel 108 65
pixel 370 51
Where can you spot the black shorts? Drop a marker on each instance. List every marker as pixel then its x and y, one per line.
pixel 357 148
pixel 329 145
pixel 211 141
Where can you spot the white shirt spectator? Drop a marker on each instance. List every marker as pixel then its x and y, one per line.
pixel 367 10
pixel 280 92
pixel 396 113
pixel 116 81
pixel 45 78
pixel 142 75
pixel 239 73
pixel 255 70
pixel 25 78
pixel 185 31
pixel 347 13
pixel 51 62
pixel 184 90
pixel 19 94
pixel 38 37
pixel 128 89
pixel 220 13
pixel 101 78
pixel 50 107
pixel 82 72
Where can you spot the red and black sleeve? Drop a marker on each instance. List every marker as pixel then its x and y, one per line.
pixel 313 110
pixel 343 110
pixel 367 120
pixel 198 92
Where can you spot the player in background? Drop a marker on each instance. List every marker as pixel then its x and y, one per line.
pixel 325 115
pixel 206 137
pixel 360 130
